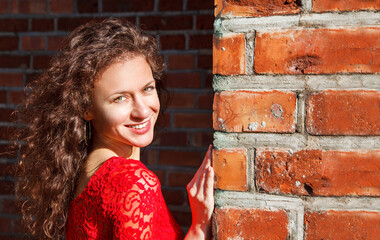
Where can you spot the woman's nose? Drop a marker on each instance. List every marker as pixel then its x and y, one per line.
pixel 140 108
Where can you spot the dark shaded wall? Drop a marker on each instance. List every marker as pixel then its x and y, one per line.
pixel 31 32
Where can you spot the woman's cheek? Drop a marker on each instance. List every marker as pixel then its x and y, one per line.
pixel 154 102
pixel 111 118
pixel 118 116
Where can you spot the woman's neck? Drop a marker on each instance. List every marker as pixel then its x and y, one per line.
pixel 101 152
pixel 103 146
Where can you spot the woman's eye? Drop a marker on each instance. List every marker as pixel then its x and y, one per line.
pixel 119 99
pixel 149 89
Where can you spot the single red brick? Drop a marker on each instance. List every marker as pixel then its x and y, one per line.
pixel 8 43
pixel 6 115
pixel 7 188
pixel 181 62
pixel 69 24
pixel 61 6
pixel 41 61
pixel 342 225
pixel 7 151
pixel 172 42
pixel 11 80
pixel 42 24
pixel 172 139
pixel 166 23
pixel 352 173
pixel 199 5
pixel 173 197
pixel 7 169
pixel 30 77
pixel 317 172
pixel 55 43
pixel 128 6
pixel 28 6
pixel 183 218
pixel 19 227
pixel 163 120
pixel 346 5
pixel 87 6
pixel 12 61
pixel 234 223
pixel 182 100
pixel 5 225
pixel 161 175
pixel 180 158
pixel 205 101
pixel 183 80
pixel 193 120
pixel 6 133
pixel 200 41
pixel 343 113
pixel 317 50
pixel 254 8
pixel 170 5
pixel 205 61
pixel 179 179
pixel 129 19
pixel 245 111
pixel 208 80
pixel 230 166
pixel 3 96
pixel 3 6
pixel 149 157
pixel 33 43
pixel 229 54
pixel 16 97
pixel 202 139
pixel 205 22
pixel 278 171
pixel 14 25
pixel 11 206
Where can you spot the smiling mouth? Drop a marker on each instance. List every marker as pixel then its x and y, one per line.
pixel 140 126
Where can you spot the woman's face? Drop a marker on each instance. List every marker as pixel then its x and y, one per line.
pixel 125 105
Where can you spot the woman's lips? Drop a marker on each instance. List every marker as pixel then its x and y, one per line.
pixel 140 128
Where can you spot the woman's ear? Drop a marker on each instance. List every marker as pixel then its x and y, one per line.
pixel 88 116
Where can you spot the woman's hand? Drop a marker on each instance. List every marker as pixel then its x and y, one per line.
pixel 201 198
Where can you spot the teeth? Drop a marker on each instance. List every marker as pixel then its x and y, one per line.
pixel 139 126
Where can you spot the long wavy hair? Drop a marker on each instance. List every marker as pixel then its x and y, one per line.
pixel 53 145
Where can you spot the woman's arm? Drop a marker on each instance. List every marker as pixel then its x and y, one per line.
pixel 201 198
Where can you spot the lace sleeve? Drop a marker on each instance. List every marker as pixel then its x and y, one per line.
pixel 130 201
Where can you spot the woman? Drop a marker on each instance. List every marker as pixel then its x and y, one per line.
pixel 89 115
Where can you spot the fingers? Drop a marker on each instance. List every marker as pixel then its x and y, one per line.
pixel 201 194
pixel 209 183
pixel 201 181
pixel 206 162
pixel 203 168
pixel 208 156
pixel 197 183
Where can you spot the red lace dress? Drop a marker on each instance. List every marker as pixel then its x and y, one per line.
pixel 122 200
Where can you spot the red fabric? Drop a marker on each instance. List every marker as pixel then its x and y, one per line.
pixel 123 200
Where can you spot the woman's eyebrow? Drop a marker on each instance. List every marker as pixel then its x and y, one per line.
pixel 125 91
pixel 152 81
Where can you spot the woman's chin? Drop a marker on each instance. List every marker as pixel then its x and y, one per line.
pixel 142 143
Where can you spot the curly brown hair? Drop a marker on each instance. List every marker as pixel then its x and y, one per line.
pixel 54 147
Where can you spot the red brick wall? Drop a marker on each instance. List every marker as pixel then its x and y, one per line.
pixel 31 32
pixel 297 119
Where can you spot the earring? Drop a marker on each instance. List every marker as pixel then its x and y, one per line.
pixel 87 132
